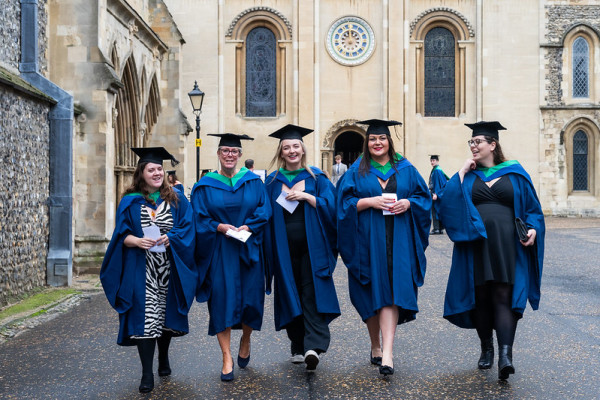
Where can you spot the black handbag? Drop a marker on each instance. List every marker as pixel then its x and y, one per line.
pixel 521 229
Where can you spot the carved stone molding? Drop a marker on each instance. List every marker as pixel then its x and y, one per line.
pixel 336 128
pixel 422 15
pixel 241 15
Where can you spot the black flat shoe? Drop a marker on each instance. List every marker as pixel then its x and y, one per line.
pixel 486 359
pixel 375 360
pixel 243 362
pixel 386 370
pixel 147 383
pixel 505 366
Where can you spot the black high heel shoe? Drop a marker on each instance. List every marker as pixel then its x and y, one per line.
pixel 505 365
pixel 486 359
pixel 243 362
pixel 229 376
pixel 375 360
pixel 386 370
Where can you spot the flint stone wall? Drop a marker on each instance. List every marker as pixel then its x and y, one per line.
pixel 24 154
pixel 10 34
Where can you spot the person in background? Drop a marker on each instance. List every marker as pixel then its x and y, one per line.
pixel 174 181
pixel 494 272
pixel 231 212
pixel 150 277
pixel 383 210
pixel 338 170
pixel 437 180
pixel 302 259
pixel 249 163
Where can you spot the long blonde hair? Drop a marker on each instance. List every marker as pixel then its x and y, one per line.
pixel 279 162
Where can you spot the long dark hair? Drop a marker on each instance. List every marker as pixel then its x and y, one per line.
pixel 498 154
pixel 365 163
pixel 138 185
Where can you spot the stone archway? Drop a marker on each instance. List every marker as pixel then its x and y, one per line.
pixel 344 136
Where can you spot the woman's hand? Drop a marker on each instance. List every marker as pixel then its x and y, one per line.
pixel 467 166
pixel 531 234
pixel 164 239
pixel 401 206
pixel 223 228
pixel 243 228
pixel 296 195
pixel 142 243
pixel 381 203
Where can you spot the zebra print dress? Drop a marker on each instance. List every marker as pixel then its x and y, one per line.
pixel 158 269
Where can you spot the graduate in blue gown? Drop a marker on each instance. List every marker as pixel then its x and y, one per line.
pixel 151 289
pixel 384 254
pixel 493 273
pixel 300 248
pixel 231 202
pixel 437 181
pixel 174 181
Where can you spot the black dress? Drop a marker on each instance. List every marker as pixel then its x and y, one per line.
pixel 309 331
pixel 389 231
pixel 495 257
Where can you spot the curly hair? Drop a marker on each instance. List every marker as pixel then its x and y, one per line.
pixel 138 185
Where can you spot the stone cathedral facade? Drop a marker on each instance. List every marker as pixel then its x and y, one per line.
pixel 433 65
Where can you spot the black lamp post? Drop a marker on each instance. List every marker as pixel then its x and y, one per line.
pixel 197 98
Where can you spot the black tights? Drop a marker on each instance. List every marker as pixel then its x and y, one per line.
pixel 493 310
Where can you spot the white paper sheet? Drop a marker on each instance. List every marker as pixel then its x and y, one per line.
pixel 153 232
pixel 391 197
pixel 242 235
pixel 289 205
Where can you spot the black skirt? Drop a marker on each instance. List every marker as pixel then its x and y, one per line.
pixel 495 257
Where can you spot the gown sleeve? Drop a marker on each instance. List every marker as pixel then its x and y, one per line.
pixel 119 261
pixel 325 207
pixel 458 213
pixel 206 234
pixel 347 226
pixel 182 242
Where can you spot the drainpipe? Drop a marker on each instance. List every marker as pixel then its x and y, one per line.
pixel 59 265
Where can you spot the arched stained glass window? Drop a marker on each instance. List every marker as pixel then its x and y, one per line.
pixel 580 161
pixel 261 77
pixel 439 73
pixel 581 61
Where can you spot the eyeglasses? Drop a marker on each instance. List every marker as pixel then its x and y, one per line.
pixel 233 152
pixel 475 142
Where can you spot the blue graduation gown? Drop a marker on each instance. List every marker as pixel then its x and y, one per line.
pixel 321 237
pixel 465 228
pixel 437 180
pixel 362 242
pixel 123 272
pixel 231 273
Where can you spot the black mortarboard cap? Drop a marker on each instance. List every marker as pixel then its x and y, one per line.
pixel 291 132
pixel 486 128
pixel 172 172
pixel 434 157
pixel 154 155
pixel 379 126
pixel 231 139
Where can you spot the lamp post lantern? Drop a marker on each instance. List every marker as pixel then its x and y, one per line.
pixel 197 98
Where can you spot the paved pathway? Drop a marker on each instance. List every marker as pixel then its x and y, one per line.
pixel 556 354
